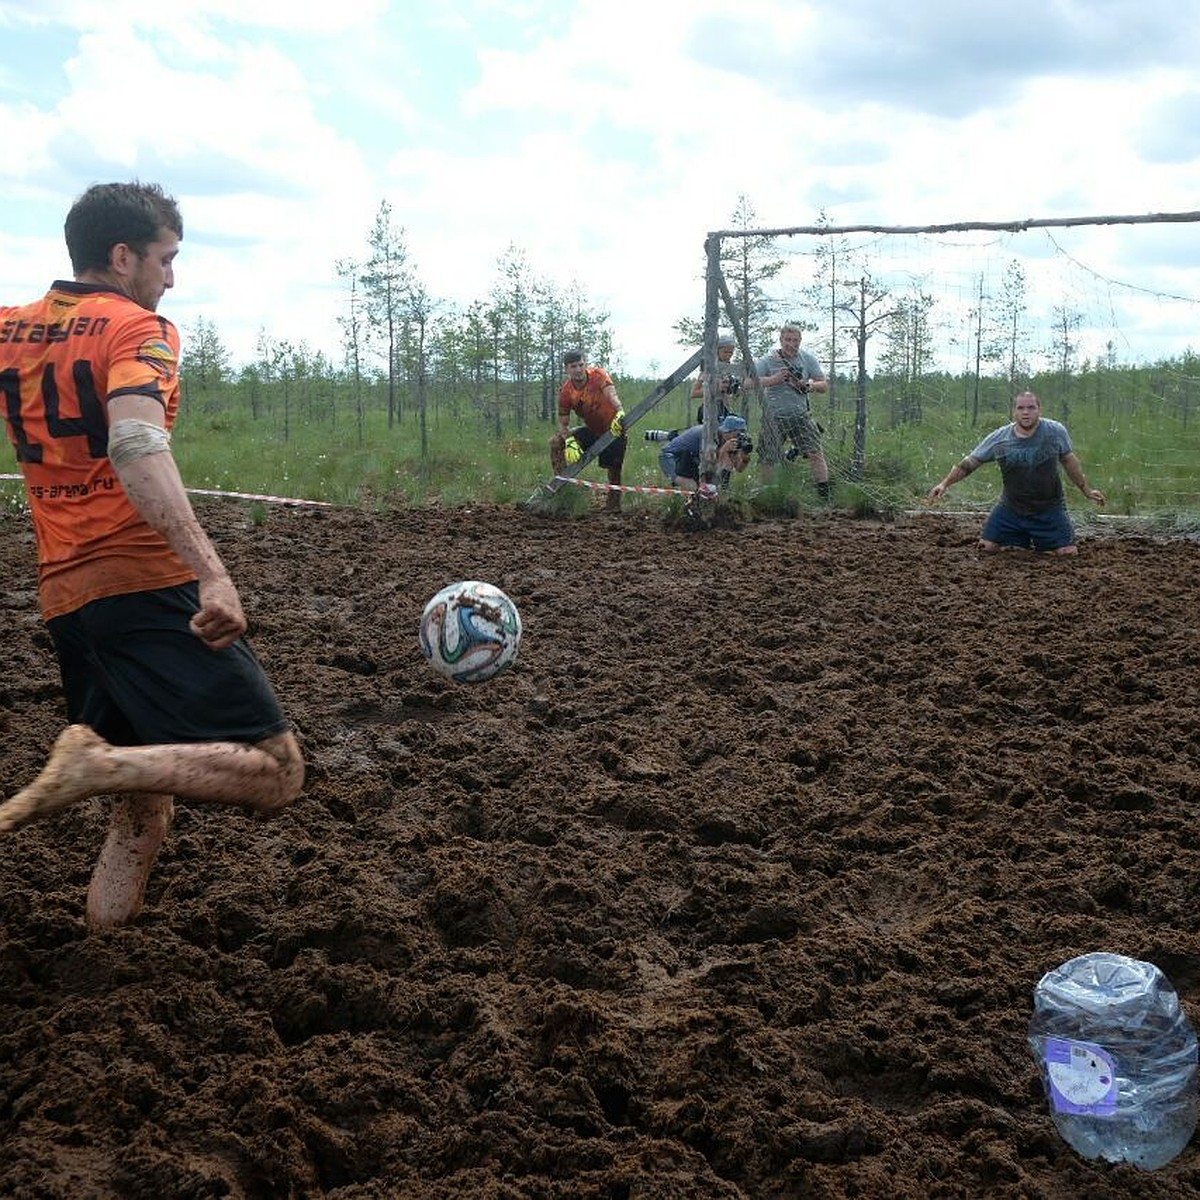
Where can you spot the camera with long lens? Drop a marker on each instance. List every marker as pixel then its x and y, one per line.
pixel 743 441
pixel 796 378
pixel 661 435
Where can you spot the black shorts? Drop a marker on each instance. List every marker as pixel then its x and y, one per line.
pixel 134 671
pixel 612 456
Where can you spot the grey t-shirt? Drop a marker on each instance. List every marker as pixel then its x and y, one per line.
pixel 781 399
pixel 1028 465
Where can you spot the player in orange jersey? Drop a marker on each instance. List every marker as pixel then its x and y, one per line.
pixel 590 392
pixel 164 696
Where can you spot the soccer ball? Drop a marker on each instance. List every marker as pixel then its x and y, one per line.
pixel 470 631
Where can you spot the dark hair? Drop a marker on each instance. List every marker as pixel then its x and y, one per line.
pixel 572 356
pixel 108 214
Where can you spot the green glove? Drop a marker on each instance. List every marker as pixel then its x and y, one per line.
pixel 572 451
pixel 617 428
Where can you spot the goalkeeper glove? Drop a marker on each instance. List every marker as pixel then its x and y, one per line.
pixel 572 450
pixel 617 428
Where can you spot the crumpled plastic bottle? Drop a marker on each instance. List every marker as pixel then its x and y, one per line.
pixel 1117 1055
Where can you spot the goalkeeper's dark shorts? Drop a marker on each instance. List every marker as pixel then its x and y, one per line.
pixel 612 456
pixel 134 671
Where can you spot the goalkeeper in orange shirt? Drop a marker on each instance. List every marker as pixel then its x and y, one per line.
pixel 590 392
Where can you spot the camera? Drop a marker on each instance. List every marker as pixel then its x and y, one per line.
pixel 796 378
pixel 731 385
pixel 661 435
pixel 743 441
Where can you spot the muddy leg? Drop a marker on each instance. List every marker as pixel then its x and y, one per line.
pixel 613 503
pixel 136 831
pixel 265 777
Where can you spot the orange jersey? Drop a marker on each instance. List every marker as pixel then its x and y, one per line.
pixel 61 359
pixel 593 406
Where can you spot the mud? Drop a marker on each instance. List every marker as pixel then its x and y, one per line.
pixel 737 885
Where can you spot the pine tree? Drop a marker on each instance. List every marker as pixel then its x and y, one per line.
pixel 748 264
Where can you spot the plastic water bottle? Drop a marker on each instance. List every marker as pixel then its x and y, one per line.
pixel 1117 1056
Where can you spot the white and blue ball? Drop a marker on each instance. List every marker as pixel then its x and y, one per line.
pixel 470 631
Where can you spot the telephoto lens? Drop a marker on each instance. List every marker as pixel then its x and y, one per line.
pixel 661 435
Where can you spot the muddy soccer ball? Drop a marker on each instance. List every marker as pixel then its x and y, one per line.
pixel 470 631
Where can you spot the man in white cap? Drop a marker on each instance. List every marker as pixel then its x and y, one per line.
pixel 729 379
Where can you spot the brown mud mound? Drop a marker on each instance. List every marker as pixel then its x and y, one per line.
pixel 738 885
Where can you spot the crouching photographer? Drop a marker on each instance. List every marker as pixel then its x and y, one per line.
pixel 680 457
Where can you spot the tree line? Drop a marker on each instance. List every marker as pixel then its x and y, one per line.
pixel 498 356
pixel 406 352
pixel 885 346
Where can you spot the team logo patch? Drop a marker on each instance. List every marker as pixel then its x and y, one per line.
pixel 159 357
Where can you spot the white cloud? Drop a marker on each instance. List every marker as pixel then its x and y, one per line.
pixel 262 14
pixel 605 141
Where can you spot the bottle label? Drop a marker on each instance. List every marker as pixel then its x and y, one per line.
pixel 1083 1078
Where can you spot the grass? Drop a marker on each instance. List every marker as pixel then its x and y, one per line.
pixel 1143 458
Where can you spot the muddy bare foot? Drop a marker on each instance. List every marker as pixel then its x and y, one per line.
pixel 71 774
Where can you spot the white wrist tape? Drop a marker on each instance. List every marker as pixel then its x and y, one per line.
pixel 130 439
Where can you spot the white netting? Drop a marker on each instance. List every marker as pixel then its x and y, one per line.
pixel 1098 315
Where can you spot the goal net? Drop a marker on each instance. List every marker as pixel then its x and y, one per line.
pixel 927 333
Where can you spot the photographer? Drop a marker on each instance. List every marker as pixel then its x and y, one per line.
pixel 729 380
pixel 788 376
pixel 680 457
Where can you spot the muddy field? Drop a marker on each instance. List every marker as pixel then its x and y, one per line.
pixel 738 885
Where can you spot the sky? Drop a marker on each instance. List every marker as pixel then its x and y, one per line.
pixel 601 138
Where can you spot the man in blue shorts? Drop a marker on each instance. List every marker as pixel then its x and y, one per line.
pixel 1032 511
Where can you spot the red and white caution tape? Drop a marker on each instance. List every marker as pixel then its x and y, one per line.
pixel 237 495
pixel 256 496
pixel 621 487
